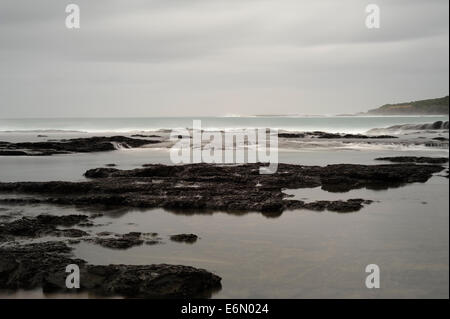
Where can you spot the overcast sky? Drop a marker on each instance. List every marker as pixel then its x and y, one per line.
pixel 211 57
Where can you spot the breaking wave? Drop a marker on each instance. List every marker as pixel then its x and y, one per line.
pixel 398 129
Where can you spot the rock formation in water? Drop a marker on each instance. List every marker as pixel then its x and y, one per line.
pixel 76 145
pixel 43 265
pixel 414 159
pixel 325 135
pixel 43 225
pixel 218 187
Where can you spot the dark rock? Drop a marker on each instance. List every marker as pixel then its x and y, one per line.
pixel 12 153
pixel 77 145
pixel 271 206
pixel 349 136
pixel 42 225
pixel 99 172
pixel 326 135
pixel 86 224
pixel 414 159
pixel 187 238
pixel 201 187
pixel 44 265
pixel 141 135
pixel 291 135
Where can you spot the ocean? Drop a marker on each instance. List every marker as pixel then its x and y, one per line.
pixel 342 124
pixel 299 254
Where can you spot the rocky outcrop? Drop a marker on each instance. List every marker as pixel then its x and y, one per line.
pixel 43 225
pixel 325 135
pixel 218 187
pixel 142 135
pixel 414 159
pixel 338 206
pixel 4 152
pixel 44 265
pixel 77 145
pixel 350 136
pixel 292 135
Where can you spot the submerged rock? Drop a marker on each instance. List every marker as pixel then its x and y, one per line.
pixel 350 205
pixel 44 265
pixel 65 220
pixel 124 241
pixel 71 232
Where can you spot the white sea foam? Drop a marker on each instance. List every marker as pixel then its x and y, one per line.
pixel 289 123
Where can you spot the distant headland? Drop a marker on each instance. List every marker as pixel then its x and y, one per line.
pixel 438 106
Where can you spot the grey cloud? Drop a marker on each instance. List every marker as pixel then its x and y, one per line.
pixel 176 57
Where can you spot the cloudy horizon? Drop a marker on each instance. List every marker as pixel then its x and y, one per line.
pixel 216 58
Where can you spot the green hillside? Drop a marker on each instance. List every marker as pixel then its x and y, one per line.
pixel 422 107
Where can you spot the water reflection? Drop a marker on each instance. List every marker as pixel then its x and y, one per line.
pixel 303 254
